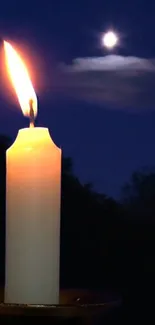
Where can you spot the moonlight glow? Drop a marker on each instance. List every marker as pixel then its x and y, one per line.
pixel 109 39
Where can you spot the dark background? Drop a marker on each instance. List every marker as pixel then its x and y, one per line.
pixel 105 244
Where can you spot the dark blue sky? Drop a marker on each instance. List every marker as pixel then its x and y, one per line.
pixel 106 145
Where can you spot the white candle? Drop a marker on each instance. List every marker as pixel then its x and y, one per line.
pixel 33 219
pixel 33 191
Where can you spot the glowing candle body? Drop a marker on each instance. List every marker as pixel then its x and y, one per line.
pixel 33 188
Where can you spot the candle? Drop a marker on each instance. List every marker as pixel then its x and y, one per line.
pixel 33 186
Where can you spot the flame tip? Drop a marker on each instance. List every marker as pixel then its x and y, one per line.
pixel 20 79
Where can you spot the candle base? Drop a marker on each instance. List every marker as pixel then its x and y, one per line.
pixel 59 313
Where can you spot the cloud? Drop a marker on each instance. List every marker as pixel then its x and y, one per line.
pixel 114 81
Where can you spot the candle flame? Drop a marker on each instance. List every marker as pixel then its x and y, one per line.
pixel 21 81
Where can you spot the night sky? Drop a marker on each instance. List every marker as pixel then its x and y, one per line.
pixel 106 144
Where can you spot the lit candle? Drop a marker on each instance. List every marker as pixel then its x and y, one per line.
pixel 33 187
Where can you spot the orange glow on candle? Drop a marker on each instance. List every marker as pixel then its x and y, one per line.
pixel 33 187
pixel 20 79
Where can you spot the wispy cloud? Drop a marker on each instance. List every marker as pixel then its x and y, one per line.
pixel 113 80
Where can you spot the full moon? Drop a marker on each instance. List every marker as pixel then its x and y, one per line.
pixel 109 39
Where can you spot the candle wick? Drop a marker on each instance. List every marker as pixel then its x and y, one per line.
pixel 31 115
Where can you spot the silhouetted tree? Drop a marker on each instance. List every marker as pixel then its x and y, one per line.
pixel 139 204
pixel 90 225
pixel 139 195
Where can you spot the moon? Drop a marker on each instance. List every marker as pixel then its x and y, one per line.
pixel 110 39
